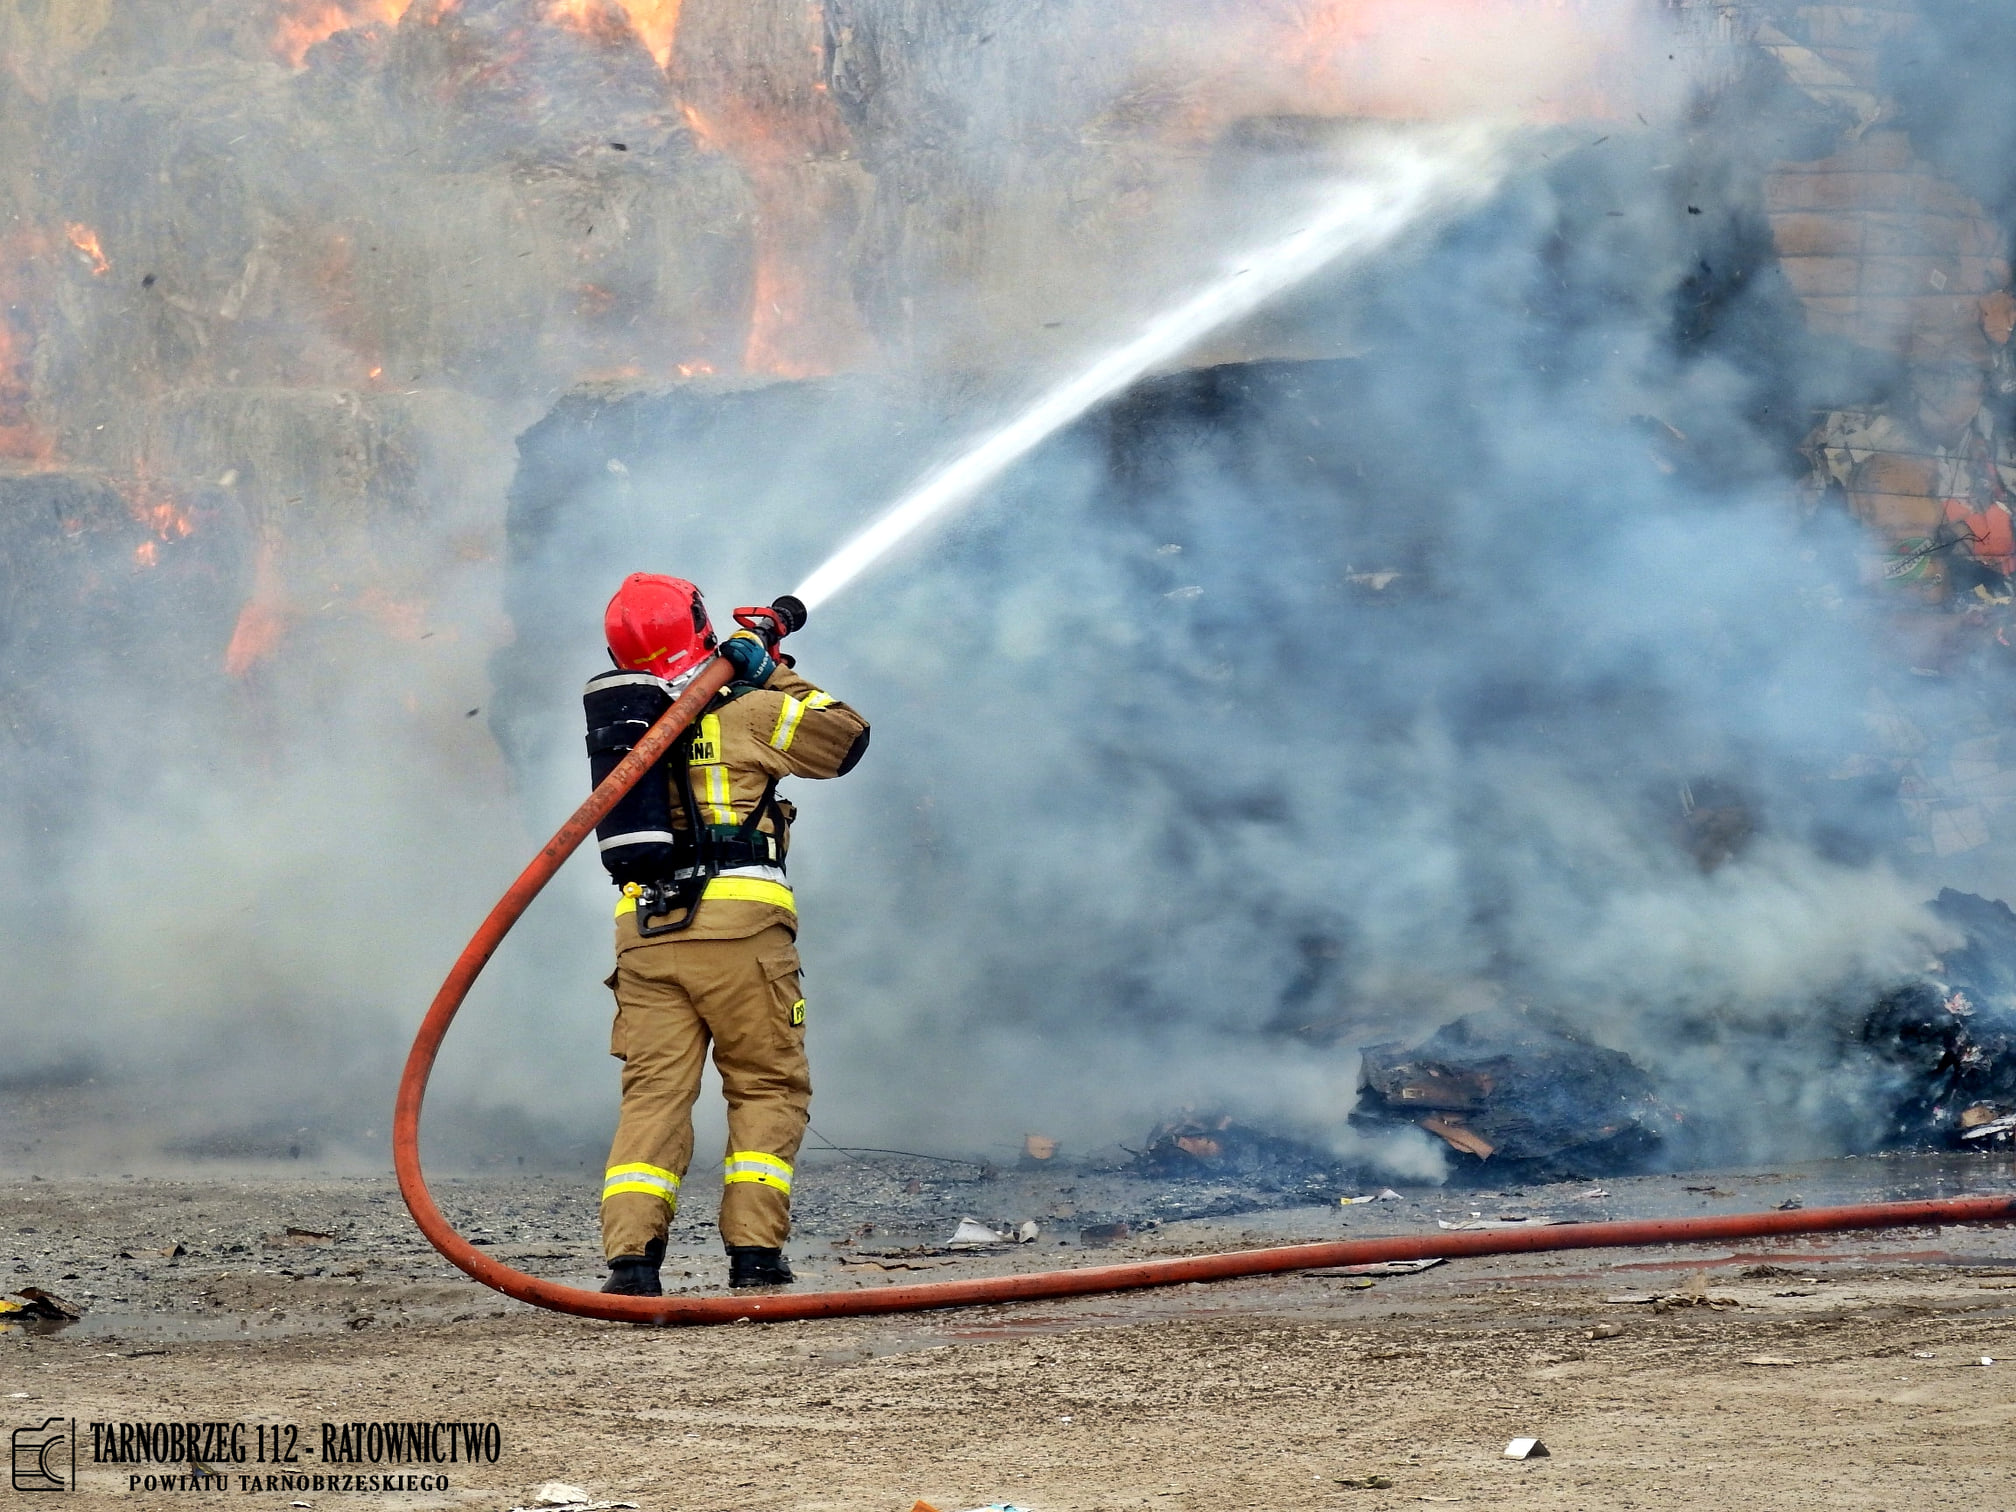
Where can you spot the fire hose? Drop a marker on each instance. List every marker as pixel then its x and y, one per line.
pixel 1026 1287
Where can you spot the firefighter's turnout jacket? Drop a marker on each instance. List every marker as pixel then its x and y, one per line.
pixel 731 979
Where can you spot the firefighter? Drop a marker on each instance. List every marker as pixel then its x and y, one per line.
pixel 712 960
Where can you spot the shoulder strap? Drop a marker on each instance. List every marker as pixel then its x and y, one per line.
pixel 766 804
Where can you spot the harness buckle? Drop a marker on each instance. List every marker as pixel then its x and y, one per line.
pixel 681 895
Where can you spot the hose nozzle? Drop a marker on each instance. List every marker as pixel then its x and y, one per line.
pixel 776 620
pixel 791 609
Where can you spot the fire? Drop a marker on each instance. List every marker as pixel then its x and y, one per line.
pixel 596 18
pixel 256 636
pixel 656 22
pixel 651 22
pixel 1546 60
pixel 778 314
pixel 695 369
pixel 798 319
pixel 163 517
pixel 85 240
pixel 262 623
pixel 304 23
pixel 166 521
pixel 307 22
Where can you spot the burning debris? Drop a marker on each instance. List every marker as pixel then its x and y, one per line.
pixel 1217 1147
pixel 1948 1040
pixel 1521 1091
pixel 1520 1094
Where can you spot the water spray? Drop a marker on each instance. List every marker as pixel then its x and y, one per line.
pixel 1402 183
pixel 1406 182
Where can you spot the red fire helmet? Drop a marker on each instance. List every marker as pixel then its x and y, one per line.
pixel 658 625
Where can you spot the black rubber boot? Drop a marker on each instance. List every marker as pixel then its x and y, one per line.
pixel 752 1265
pixel 637 1275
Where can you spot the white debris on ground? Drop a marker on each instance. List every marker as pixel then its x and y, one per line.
pixel 558 1496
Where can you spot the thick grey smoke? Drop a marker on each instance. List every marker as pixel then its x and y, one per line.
pixel 1272 710
pixel 1286 708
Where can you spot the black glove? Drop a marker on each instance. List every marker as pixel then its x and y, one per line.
pixel 752 661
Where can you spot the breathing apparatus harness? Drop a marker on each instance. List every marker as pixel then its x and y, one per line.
pixel 663 866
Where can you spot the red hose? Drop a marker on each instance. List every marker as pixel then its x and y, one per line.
pixel 785 1307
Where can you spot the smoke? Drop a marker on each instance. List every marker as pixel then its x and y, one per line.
pixel 1281 709
pixel 1272 709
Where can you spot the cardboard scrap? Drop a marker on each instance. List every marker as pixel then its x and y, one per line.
pixel 1501 1223
pixel 1380 1268
pixel 39 1304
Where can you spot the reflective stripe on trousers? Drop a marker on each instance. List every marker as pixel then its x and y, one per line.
pixel 729 888
pixel 652 1181
pixel 754 1165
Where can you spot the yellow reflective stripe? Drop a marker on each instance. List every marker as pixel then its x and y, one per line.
pixel 817 700
pixel 752 890
pixel 733 890
pixel 616 1188
pixel 787 723
pixel 652 1181
pixel 638 1171
pixel 716 793
pixel 754 1165
pixel 707 743
pixel 719 798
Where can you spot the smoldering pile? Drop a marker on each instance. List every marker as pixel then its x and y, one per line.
pixel 1947 1041
pixel 1521 1094
pixel 1518 1088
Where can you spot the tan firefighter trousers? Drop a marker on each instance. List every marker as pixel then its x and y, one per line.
pixel 672 998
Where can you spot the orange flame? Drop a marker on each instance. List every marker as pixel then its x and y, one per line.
pixel 85 240
pixel 778 312
pixel 167 522
pixel 1548 60
pixel 702 129
pixel 793 309
pixel 308 22
pixel 262 623
pixel 656 23
pixel 256 636
pixel 154 507
pixel 652 22
pixel 596 18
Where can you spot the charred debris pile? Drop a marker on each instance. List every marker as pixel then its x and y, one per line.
pixel 1518 1094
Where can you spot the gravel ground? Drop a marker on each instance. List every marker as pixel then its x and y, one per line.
pixel 1286 1392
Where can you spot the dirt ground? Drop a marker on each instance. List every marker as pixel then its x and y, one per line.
pixel 1845 1373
